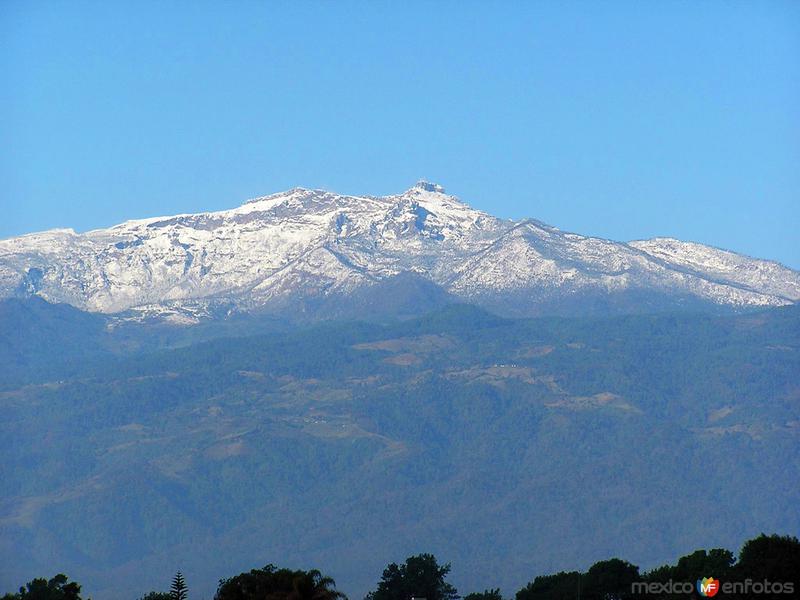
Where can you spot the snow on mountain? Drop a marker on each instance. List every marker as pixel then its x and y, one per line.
pixel 272 251
pixel 725 266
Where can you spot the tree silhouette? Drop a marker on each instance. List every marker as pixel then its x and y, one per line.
pixel 312 585
pixel 773 557
pixel 493 594
pixel 420 577
pixel 559 586
pixel 716 562
pixel 609 579
pixel 271 583
pixel 178 591
pixel 57 588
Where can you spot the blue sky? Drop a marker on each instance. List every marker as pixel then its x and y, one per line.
pixel 619 119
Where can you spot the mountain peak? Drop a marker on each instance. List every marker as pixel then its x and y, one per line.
pixel 428 186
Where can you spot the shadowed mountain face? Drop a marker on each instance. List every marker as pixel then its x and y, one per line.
pixel 511 447
pixel 307 253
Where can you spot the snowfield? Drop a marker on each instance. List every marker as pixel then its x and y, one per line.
pixel 305 243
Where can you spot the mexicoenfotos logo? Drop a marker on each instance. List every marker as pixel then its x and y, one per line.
pixel 708 586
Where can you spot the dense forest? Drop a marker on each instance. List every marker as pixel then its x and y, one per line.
pixel 767 567
pixel 508 446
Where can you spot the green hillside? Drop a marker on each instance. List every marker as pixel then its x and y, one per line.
pixel 510 446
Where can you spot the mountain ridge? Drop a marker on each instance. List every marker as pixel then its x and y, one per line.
pixel 274 252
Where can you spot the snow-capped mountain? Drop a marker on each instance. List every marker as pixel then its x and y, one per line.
pixel 277 251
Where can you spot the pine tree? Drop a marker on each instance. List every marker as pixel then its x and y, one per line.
pixel 178 591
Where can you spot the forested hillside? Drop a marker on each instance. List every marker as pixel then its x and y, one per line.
pixel 510 446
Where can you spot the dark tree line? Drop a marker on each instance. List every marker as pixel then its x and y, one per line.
pixel 771 558
pixel 56 588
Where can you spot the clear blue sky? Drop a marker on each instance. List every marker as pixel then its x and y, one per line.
pixel 619 119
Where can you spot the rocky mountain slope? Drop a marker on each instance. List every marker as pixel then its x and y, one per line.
pixel 305 248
